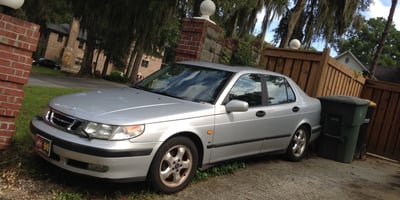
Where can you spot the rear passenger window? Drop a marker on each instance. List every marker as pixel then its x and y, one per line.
pixel 279 90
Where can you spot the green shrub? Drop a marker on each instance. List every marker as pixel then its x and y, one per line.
pixel 117 76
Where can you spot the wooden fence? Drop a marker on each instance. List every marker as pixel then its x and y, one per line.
pixel 383 136
pixel 315 72
pixel 320 75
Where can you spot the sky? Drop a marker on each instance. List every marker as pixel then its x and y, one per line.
pixel 380 8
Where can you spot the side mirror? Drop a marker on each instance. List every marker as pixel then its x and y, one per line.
pixel 236 106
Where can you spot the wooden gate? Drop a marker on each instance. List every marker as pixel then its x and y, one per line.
pixel 383 136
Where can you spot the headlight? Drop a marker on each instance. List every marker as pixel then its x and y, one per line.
pixel 111 132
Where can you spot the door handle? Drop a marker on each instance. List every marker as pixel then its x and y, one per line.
pixel 260 113
pixel 295 109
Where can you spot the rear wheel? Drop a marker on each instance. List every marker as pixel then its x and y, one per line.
pixel 298 146
pixel 174 165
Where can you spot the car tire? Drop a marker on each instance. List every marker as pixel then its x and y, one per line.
pixel 174 165
pixel 298 146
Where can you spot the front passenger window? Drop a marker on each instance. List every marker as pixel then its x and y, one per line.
pixel 247 88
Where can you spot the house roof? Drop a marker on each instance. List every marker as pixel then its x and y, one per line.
pixel 348 53
pixel 64 29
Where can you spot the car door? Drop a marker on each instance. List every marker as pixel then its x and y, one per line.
pixel 240 133
pixel 282 113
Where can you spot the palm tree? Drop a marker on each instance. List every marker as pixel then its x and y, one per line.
pixel 294 17
pixel 382 41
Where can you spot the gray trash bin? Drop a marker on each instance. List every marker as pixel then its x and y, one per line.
pixel 341 118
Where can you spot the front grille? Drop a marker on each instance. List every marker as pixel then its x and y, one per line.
pixel 62 121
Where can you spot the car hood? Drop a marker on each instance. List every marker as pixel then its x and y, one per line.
pixel 123 106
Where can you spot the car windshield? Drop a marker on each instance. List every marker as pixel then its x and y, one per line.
pixel 187 82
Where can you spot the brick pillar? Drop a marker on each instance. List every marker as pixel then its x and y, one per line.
pixel 199 40
pixel 18 40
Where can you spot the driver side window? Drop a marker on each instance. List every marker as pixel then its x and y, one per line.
pixel 247 88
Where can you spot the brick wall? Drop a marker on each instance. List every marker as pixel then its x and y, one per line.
pixel 18 40
pixel 199 40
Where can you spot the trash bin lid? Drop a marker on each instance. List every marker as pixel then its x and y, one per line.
pixel 345 100
pixel 371 103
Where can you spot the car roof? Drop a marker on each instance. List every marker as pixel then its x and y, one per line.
pixel 229 68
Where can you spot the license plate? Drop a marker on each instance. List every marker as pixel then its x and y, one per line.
pixel 43 145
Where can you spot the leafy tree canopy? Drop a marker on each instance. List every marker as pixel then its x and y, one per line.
pixel 363 43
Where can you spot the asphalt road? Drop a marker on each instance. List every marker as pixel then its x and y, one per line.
pixel 70 82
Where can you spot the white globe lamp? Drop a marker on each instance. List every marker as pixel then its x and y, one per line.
pixel 207 8
pixel 294 44
pixel 14 4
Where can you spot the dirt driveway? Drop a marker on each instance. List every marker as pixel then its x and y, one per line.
pixel 263 178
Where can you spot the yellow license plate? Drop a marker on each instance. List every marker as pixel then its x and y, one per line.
pixel 43 145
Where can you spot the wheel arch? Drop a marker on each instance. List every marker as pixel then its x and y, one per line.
pixel 307 126
pixel 195 139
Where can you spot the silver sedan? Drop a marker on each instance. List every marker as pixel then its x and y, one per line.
pixel 187 115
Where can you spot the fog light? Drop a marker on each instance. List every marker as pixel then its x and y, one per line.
pixel 97 168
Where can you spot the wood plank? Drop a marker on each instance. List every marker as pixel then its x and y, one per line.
pixel 279 65
pixel 296 70
pixel 294 54
pixel 341 84
pixel 304 74
pixel 271 63
pixel 288 66
pixel 393 124
pixel 376 125
pixel 327 82
pixel 313 79
pixel 335 80
pixel 386 109
pixel 394 87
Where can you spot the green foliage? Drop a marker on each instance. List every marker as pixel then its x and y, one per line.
pixel 142 195
pixel 363 43
pixel 117 76
pixel 218 171
pixel 68 196
pixel 47 11
pixel 244 52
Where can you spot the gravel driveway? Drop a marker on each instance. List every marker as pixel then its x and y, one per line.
pixel 313 178
pixel 263 178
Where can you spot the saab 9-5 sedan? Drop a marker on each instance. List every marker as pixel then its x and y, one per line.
pixel 185 116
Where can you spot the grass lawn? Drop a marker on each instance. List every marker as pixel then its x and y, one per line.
pixel 36 69
pixel 35 100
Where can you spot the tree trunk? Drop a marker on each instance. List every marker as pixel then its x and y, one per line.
pixel 97 62
pixel 86 68
pixel 382 42
pixel 131 61
pixel 293 19
pixel 105 66
pixel 133 78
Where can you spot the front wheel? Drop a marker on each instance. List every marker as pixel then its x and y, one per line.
pixel 298 145
pixel 174 165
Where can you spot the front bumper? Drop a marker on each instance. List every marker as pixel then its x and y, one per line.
pixel 117 160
